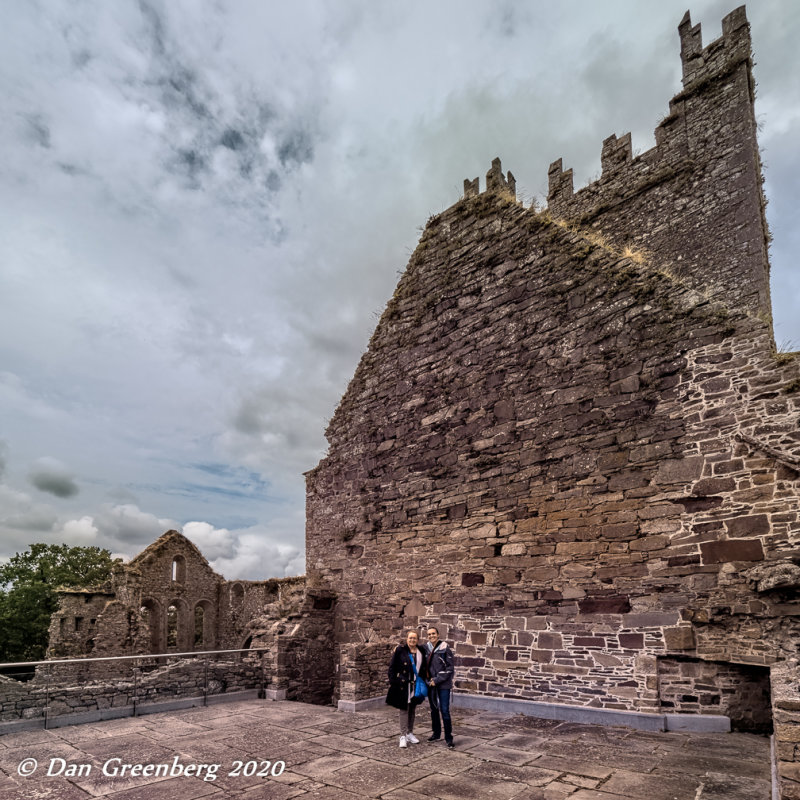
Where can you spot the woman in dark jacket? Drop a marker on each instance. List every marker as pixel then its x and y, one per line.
pixel 408 661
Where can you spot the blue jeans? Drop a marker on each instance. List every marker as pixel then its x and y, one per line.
pixel 443 706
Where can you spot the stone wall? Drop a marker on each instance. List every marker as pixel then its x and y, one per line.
pixel 786 715
pixel 362 670
pixel 298 632
pixel 72 693
pixel 571 440
pixel 73 629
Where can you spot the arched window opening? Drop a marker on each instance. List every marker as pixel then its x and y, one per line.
pixel 178 569
pixel 237 595
pixel 152 615
pixel 172 626
pixel 198 626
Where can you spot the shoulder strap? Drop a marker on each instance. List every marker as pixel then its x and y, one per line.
pixel 413 663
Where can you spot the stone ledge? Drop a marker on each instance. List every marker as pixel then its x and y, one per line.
pixel 351 706
pixel 697 723
pixel 560 711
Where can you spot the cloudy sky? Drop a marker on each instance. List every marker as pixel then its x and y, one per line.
pixel 206 205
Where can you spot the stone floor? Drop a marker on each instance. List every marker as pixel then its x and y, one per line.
pixel 330 755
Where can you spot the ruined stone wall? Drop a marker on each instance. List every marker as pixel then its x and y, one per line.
pixel 668 200
pixel 69 694
pixel 240 603
pixel 173 572
pixel 572 450
pixel 297 630
pixel 131 613
pixel 545 429
pixel 362 670
pixel 74 626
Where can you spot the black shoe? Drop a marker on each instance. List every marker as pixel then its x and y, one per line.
pixel 434 738
pixel 450 745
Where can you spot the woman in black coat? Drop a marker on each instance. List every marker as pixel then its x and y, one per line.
pixel 402 684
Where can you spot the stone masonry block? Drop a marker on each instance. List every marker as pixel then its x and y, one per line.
pixel 681 470
pixel 732 550
pixel 679 638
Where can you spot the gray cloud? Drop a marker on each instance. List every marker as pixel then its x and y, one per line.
pixel 51 476
pixel 36 520
pixel 38 130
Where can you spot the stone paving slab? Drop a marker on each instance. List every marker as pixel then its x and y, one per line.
pixel 329 755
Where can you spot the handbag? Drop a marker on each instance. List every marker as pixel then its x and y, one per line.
pixel 420 687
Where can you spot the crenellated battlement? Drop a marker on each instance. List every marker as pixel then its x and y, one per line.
pixel 496 182
pixel 699 63
pixel 695 199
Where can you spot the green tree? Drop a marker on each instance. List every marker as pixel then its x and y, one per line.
pixel 28 598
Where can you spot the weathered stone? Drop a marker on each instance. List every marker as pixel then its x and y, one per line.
pixel 618 604
pixel 549 641
pixel 775 575
pixel 732 550
pixel 680 638
pixel 747 526
pixel 683 470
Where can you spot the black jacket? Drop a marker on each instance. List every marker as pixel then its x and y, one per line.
pixel 401 674
pixel 439 664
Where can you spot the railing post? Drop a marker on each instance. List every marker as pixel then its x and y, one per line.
pixel 205 687
pixel 136 688
pixel 47 698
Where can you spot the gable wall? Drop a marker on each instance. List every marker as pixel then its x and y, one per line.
pixel 560 444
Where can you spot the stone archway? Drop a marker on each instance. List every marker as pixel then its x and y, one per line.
pixel 204 629
pixel 152 614
pixel 178 626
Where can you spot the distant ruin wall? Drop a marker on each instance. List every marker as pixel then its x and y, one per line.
pixel 167 599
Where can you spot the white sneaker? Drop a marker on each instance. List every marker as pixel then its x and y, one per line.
pixel 412 739
pixel 403 742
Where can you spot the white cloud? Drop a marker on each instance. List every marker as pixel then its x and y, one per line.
pixel 80 531
pixel 214 543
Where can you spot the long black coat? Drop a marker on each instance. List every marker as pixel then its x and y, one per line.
pixel 401 674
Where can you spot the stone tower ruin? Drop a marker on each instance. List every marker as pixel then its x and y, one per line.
pixel 572 444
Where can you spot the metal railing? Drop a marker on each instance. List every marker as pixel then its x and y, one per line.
pixel 43 674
